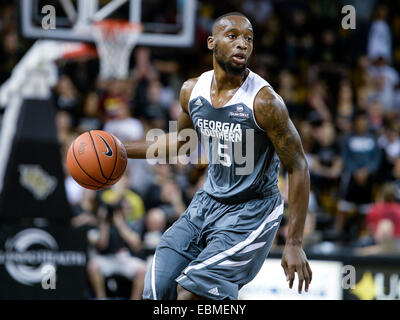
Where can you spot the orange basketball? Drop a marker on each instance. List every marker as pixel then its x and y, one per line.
pixel 96 159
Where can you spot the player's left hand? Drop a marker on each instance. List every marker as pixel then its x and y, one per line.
pixel 294 260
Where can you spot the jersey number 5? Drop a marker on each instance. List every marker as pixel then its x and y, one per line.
pixel 224 158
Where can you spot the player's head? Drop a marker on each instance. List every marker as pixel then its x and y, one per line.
pixel 232 42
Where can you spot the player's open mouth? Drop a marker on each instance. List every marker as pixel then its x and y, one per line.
pixel 239 58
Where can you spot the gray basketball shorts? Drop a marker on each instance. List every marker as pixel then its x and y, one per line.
pixel 214 249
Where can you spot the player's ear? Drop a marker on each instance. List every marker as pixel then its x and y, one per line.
pixel 210 42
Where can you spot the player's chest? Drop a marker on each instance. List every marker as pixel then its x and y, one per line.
pixel 229 121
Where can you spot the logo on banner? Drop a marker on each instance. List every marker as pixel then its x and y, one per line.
pixel 37 181
pixel 378 285
pixel 33 252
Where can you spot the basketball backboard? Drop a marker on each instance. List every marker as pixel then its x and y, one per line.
pixel 165 23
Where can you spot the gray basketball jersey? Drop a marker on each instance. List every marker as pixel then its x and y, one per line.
pixel 242 163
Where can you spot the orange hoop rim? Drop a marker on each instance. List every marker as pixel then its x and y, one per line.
pixel 80 50
pixel 122 25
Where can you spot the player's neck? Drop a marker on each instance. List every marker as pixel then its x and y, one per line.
pixel 226 81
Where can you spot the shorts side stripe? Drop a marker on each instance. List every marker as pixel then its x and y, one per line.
pixel 253 247
pixel 153 278
pixel 181 278
pixel 231 263
pixel 273 226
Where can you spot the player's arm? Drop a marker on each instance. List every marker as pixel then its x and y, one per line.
pixel 272 115
pixel 138 149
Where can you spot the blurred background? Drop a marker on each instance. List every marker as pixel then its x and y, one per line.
pixel 342 90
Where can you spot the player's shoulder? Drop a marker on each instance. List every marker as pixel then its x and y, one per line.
pixel 268 100
pixel 269 108
pixel 189 84
pixel 186 91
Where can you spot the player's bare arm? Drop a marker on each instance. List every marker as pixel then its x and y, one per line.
pixel 138 149
pixel 272 115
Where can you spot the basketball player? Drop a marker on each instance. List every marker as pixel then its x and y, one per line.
pixel 222 239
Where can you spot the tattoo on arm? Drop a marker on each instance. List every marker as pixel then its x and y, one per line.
pixel 274 119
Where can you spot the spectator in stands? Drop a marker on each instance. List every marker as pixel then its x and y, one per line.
pixel 164 192
pixel 307 137
pixel 299 40
pixel 317 101
pixel 124 127
pixel 326 164
pixel 375 115
pixel 143 73
pixel 389 142
pixel 361 157
pixel 172 200
pixel 134 206
pixel 85 211
pixel 386 208
pixel 65 128
pixel 395 178
pixel 113 99
pixel 115 242
pixel 363 83
pixel 383 222
pixel 161 174
pixel 385 78
pixel 150 229
pixel 67 98
pixel 11 52
pixel 345 107
pixel 127 128
pixel 89 119
pixel 287 91
pixel 156 113
pixel 380 37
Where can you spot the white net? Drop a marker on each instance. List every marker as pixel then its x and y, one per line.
pixel 115 41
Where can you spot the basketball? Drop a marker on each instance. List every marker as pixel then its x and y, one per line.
pixel 96 159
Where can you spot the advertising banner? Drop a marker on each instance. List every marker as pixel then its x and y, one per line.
pixel 375 281
pixel 271 284
pixel 42 263
pixel 32 179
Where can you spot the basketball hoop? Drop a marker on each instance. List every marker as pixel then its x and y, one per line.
pixel 115 40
